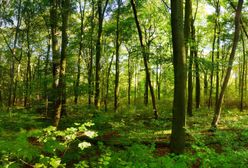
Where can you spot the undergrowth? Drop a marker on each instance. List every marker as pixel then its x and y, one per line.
pixel 120 140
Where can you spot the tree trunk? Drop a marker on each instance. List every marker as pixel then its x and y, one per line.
pixel 145 59
pixel 117 70
pixel 158 75
pixel 212 67
pixel 217 110
pixel 129 79
pixel 80 52
pixel 179 62
pixel 11 96
pixel 196 61
pixel 1 83
pixel 197 82
pixel 47 62
pixel 107 83
pixel 205 85
pixel 60 63
pixel 56 61
pixel 28 72
pixel 242 88
pixel 217 66
pixel 188 44
pixel 90 83
pixel 101 12
pixel 218 53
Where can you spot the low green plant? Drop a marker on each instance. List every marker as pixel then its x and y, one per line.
pixel 47 147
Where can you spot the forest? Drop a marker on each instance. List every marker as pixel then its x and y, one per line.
pixel 123 83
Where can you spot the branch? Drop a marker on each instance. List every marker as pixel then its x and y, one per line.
pixel 26 163
pixel 105 6
pixel 241 21
pixel 5 40
pixel 166 5
pixel 196 10
pixel 243 28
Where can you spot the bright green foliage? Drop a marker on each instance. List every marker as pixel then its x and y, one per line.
pixel 53 162
pixel 47 147
pixel 58 142
pixel 17 149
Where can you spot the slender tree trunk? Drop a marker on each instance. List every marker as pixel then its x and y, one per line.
pixel 217 66
pixel 146 92
pixel 217 8
pixel 217 110
pixel 190 85
pixel 135 83
pixel 1 83
pixel 212 68
pixel 145 60
pixel 107 83
pixel 80 52
pixel 28 72
pixel 46 72
pixel 65 19
pixel 196 62
pixel 188 44
pixel 197 82
pixel 205 85
pixel 158 74
pixel 61 88
pixel 129 79
pixel 243 76
pixel 56 61
pixel 117 60
pixel 179 62
pixel 218 53
pixel 101 12
pixel 11 96
pixel 90 83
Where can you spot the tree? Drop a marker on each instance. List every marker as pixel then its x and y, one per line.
pixel 217 110
pixel 242 87
pixel 90 64
pixel 117 60
pixel 144 53
pixel 101 11
pixel 179 62
pixel 188 40
pixel 80 51
pixel 59 59
pixel 216 25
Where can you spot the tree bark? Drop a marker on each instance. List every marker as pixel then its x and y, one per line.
pixel 28 71
pixel 60 100
pixel 196 61
pixel 242 88
pixel 117 60
pixel 212 67
pixel 90 83
pixel 179 62
pixel 101 12
pixel 217 110
pixel 107 83
pixel 188 44
pixel 129 79
pixel 145 59
pixel 55 60
pixel 80 52
pixel 11 96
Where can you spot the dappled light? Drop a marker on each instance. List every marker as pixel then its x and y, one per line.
pixel 123 84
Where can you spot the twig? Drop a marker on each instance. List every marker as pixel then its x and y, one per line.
pixel 26 163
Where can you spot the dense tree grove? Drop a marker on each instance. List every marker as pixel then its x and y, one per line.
pixel 163 60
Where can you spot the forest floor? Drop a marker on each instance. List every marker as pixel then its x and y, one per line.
pixel 128 138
